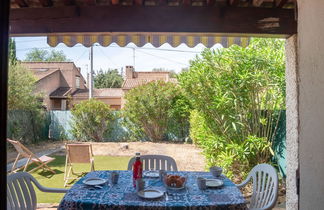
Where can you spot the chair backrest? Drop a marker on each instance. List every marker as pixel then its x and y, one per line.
pixel 20 191
pixel 265 186
pixel 155 162
pixel 21 149
pixel 79 153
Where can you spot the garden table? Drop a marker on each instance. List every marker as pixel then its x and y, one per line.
pixel 123 195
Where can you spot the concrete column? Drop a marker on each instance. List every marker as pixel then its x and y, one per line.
pixel 292 122
pixel 310 53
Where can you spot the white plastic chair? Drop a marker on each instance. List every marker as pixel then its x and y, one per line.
pixel 155 162
pixel 21 193
pixel 265 186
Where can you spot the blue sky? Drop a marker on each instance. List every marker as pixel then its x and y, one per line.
pixel 113 56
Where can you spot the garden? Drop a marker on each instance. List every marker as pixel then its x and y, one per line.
pixel 229 106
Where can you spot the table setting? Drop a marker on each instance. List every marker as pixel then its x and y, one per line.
pixel 157 189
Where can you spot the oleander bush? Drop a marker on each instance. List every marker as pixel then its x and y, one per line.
pixel 157 111
pixel 91 120
pixel 236 94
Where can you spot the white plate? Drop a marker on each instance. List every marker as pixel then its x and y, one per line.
pixel 214 183
pixel 150 193
pixel 94 181
pixel 152 174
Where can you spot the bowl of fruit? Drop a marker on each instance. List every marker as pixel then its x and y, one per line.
pixel 174 182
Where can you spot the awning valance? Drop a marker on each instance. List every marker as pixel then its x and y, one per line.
pixel 140 39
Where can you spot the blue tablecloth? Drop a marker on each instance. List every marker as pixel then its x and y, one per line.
pixel 123 195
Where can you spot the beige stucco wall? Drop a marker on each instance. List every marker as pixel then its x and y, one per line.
pixel 47 85
pixel 311 103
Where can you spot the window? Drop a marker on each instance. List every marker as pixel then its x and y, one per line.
pixel 77 82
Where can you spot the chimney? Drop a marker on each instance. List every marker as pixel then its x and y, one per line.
pixel 129 72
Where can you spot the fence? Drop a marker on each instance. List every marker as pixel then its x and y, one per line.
pixel 60 127
pixel 279 145
pixel 31 127
pixel 28 126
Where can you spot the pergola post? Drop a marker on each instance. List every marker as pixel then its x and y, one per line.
pixel 292 123
pixel 4 37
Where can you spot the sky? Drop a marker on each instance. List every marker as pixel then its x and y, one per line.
pixel 113 56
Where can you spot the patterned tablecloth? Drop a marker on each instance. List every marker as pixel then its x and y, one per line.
pixel 123 195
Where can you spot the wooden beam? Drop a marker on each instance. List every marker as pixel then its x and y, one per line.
pixel 257 3
pixel 4 41
pixel 41 21
pixel 69 2
pixel 90 2
pixel 46 3
pixel 233 2
pixel 21 3
pixel 280 3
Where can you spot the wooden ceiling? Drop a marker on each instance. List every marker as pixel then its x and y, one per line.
pixel 276 18
pixel 234 3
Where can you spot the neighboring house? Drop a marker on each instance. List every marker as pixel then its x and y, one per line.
pixel 111 96
pixel 63 86
pixel 56 81
pixel 134 79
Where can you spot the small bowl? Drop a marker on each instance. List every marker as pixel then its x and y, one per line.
pixel 216 171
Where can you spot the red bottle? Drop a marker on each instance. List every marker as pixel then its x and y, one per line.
pixel 137 169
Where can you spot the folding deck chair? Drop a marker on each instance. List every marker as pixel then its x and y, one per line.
pixel 75 154
pixel 31 158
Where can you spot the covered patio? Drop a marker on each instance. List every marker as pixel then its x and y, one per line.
pixel 301 22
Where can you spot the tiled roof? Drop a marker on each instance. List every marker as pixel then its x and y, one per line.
pixel 132 83
pixel 111 92
pixel 42 72
pixel 60 92
pixel 103 92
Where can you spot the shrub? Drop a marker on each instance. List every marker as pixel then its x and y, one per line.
pixel 21 86
pixel 90 120
pixel 237 93
pixel 152 109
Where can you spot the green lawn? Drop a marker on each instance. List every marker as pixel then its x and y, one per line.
pixel 47 179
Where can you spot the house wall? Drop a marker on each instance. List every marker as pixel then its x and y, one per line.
pixel 311 103
pixel 114 103
pixel 47 85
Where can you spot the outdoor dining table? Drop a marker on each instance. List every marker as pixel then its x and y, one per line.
pixel 123 195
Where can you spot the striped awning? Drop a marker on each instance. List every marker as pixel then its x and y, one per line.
pixel 140 39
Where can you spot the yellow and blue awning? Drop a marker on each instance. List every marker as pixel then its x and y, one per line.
pixel 140 39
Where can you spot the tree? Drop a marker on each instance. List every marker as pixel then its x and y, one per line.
pixel 44 55
pixel 21 86
pixel 91 120
pixel 237 94
pixel 12 52
pixel 108 79
pixel 151 109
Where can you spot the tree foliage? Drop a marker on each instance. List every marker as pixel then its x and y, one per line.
pixel 237 93
pixel 44 55
pixel 12 52
pixel 151 109
pixel 108 79
pixel 21 86
pixel 91 120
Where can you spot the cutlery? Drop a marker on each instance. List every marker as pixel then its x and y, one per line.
pixel 166 196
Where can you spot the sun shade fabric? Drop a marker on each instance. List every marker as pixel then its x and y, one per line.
pixel 191 40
